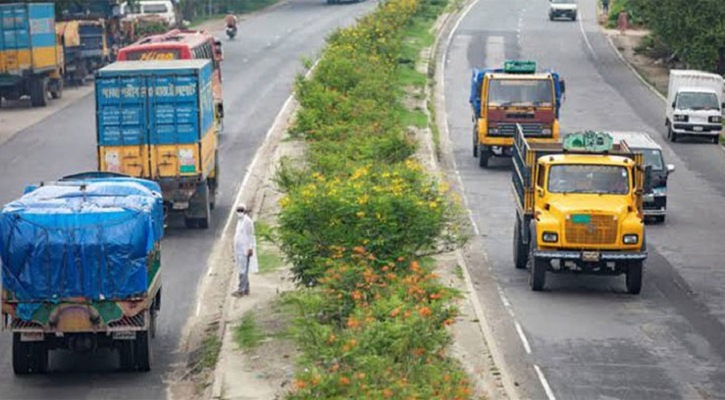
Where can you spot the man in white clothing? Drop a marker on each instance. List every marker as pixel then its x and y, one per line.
pixel 245 245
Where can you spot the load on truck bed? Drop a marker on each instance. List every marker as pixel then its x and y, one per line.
pixel 155 120
pixel 81 269
pixel 579 208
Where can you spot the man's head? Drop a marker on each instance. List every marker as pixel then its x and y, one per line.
pixel 242 209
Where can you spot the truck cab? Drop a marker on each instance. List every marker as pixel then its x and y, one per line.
pixel 655 198
pixel 579 208
pixel 514 94
pixel 694 105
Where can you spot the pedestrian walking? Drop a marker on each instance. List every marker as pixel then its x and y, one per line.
pixel 605 6
pixel 245 245
pixel 622 22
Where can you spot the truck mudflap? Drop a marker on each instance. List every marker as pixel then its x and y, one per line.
pixel 590 256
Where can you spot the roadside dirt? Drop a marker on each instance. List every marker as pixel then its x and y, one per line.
pixel 655 72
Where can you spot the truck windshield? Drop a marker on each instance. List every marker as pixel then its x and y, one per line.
pixel 506 92
pixel 697 101
pixel 652 158
pixel 583 178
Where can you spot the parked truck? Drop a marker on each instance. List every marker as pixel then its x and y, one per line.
pixel 85 48
pixel 31 59
pixel 81 269
pixel 579 208
pixel 694 105
pixel 515 94
pixel 155 120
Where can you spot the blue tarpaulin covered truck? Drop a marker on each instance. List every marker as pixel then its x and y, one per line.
pixel 81 269
pixel 155 120
pixel 31 59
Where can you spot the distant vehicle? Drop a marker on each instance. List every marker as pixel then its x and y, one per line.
pixel 31 56
pixel 163 9
pixel 655 199
pixel 81 269
pixel 155 120
pixel 182 44
pixel 694 105
pixel 231 32
pixel 562 9
pixel 579 208
pixel 516 94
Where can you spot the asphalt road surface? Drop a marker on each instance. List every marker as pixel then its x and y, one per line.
pixel 584 337
pixel 259 70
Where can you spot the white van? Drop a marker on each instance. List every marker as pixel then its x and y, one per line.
pixel 160 8
pixel 694 105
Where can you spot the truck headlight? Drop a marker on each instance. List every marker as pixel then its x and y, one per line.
pixel 493 130
pixel 715 119
pixel 546 131
pixel 681 118
pixel 630 239
pixel 550 237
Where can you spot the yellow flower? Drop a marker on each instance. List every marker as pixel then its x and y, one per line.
pixel 360 214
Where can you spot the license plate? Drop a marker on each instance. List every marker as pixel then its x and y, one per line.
pixel 180 205
pixel 590 256
pixel 124 335
pixel 697 129
pixel 581 218
pixel 32 336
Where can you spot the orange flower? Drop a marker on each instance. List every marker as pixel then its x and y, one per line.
pixel 344 381
pixel 425 312
pixel 447 322
pixel 352 323
pixel 434 296
pixel 356 295
pixel 415 266
pixel 395 312
pixel 361 375
pixel 387 393
pixel 335 367
pixel 331 338
pixel 300 384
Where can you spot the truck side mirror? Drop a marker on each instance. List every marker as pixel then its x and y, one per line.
pixel 670 168
pixel 647 186
pixel 562 85
pixel 673 104
pixel 722 106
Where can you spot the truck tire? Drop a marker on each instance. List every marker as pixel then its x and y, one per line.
pixel 537 278
pixel 716 139
pixel 521 251
pixel 672 135
pixel 56 88
pixel 202 209
pixel 483 156
pixel 634 277
pixel 142 351
pixel 29 357
pixel 39 92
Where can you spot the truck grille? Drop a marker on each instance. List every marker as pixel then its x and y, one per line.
pixel 601 229
pixel 530 130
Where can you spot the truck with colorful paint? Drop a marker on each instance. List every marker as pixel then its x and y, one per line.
pixel 31 58
pixel 518 93
pixel 81 269
pixel 155 120
pixel 579 208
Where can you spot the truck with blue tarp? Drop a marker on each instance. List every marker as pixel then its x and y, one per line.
pixel 155 120
pixel 518 93
pixel 31 59
pixel 81 269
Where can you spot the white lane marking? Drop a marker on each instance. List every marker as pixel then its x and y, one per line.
pixel 525 341
pixel 495 51
pixel 245 180
pixel 544 383
pixel 586 39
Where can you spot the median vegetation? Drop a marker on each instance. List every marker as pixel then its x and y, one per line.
pixel 357 220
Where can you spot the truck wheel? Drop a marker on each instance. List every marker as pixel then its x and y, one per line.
pixel 537 278
pixel 483 155
pixel 672 135
pixel 56 89
pixel 520 250
pixel 716 139
pixel 39 92
pixel 634 277
pixel 142 351
pixel 201 213
pixel 29 357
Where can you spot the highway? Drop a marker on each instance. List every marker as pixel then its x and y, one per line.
pixel 259 71
pixel 585 337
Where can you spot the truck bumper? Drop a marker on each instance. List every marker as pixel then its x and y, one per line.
pixel 586 256
pixel 697 129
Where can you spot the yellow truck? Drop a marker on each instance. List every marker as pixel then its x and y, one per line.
pixel 518 93
pixel 579 208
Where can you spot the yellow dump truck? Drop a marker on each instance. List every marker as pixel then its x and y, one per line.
pixel 579 208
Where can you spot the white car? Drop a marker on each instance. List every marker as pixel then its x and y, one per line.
pixel 160 8
pixel 562 9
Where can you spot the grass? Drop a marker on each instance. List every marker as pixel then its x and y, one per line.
pixel 209 353
pixel 458 271
pixel 269 261
pixel 248 335
pixel 416 118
